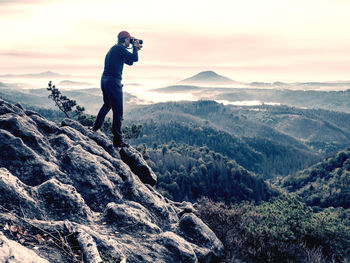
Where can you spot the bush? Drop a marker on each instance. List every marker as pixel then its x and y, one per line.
pixel 282 230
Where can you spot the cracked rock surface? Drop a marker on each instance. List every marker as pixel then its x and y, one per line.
pixel 69 180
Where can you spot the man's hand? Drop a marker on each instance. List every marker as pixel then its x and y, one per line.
pixel 137 44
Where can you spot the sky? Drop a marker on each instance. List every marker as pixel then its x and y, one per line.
pixel 251 40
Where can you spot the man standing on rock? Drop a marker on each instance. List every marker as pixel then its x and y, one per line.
pixel 111 83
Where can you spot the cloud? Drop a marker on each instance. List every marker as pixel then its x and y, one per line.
pixel 12 8
pixel 15 2
pixel 235 49
pixel 22 54
pixel 69 55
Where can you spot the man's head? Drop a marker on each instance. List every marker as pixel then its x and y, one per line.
pixel 124 38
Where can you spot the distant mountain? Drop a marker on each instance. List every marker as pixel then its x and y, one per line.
pixel 330 100
pixel 15 86
pixel 278 83
pixel 46 74
pixel 212 77
pixel 260 84
pixel 321 84
pixel 73 83
pixel 208 77
pixel 177 88
pixel 26 97
pixel 309 85
pixel 90 98
pixel 267 84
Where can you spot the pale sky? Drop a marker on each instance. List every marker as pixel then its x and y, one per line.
pixel 251 40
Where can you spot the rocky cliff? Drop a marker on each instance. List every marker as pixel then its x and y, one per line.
pixel 67 195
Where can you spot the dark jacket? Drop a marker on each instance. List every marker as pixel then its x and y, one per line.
pixel 115 59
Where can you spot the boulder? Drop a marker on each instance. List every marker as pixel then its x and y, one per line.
pixel 131 214
pixel 138 165
pixel 195 231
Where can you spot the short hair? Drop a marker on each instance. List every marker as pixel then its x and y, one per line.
pixel 121 40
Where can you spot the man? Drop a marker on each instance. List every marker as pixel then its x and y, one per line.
pixel 111 84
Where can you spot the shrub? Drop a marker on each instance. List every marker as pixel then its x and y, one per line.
pixel 281 230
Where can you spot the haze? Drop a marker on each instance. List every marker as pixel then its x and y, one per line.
pixel 244 40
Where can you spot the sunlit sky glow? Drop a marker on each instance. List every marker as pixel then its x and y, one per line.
pixel 252 40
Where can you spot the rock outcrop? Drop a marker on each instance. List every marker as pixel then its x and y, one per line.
pixel 67 192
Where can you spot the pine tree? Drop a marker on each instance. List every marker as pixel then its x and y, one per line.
pixel 65 104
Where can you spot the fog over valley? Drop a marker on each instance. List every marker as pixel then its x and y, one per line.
pixel 204 85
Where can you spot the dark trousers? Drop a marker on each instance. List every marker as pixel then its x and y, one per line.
pixel 112 99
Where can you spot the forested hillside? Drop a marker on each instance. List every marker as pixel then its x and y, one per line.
pixel 187 173
pixel 326 184
pixel 320 131
pixel 264 156
pixel 330 100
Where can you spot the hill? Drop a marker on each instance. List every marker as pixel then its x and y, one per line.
pixel 90 98
pixel 74 83
pixel 265 157
pixel 207 77
pixel 310 99
pixel 325 184
pixel 177 88
pixel 190 172
pixel 319 131
pixel 46 74
pixel 269 140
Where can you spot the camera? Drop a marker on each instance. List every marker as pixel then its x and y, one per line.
pixel 132 40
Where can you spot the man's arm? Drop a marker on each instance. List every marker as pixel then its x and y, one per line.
pixel 130 58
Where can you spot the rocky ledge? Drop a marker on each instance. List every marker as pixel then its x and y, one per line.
pixel 67 195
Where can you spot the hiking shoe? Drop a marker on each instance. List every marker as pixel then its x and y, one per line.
pixel 91 128
pixel 121 145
